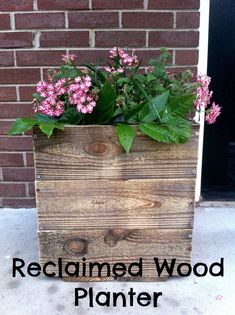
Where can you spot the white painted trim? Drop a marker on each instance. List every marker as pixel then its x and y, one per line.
pixel 202 68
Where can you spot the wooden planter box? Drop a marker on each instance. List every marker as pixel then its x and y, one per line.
pixel 97 202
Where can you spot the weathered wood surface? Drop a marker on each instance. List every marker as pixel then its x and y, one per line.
pixel 115 204
pixel 97 202
pixel 94 152
pixel 118 245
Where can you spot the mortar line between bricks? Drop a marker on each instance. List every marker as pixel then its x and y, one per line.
pixel 24 159
pixel 113 29
pixel 12 21
pixel 13 85
pixel 66 19
pixel 35 5
pixel 23 136
pixel 7 120
pixel 174 23
pixel 84 49
pixel 120 20
pixel 1 176
pixel 26 189
pixel 147 39
pixel 90 4
pixel 17 93
pixel 11 182
pixel 140 10
pixel 145 4
pixel 14 56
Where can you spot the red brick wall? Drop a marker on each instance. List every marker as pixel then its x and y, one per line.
pixel 34 34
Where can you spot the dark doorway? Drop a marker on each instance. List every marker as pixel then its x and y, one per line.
pixel 218 172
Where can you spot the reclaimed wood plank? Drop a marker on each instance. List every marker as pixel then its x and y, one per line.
pixel 94 152
pixel 93 245
pixel 115 204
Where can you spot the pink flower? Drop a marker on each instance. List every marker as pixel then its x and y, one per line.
pixel 68 57
pixel 203 93
pixel 112 70
pixel 81 95
pixel 125 58
pixel 213 113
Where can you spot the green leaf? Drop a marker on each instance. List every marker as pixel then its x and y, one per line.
pixel 132 110
pixel 126 135
pixel 37 96
pixel 181 105
pixel 151 110
pixel 104 109
pixel 47 128
pixel 181 127
pixel 158 132
pixel 44 118
pixel 159 102
pixel 22 125
pixel 174 130
pixel 71 116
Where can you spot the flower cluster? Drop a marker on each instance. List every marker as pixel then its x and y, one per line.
pixel 124 60
pixel 203 99
pixel 57 95
pixel 81 96
pixel 213 113
pixel 203 93
pixel 68 58
pixel 51 105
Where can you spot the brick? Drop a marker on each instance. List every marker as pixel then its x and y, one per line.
pixel 29 159
pixel 147 19
pixel 16 110
pixel 16 40
pixel 6 58
pixel 16 5
pixel 174 4
pixel 5 127
pixel 120 38
pixel 19 202
pixel 31 187
pixel 21 76
pixel 39 20
pixel 174 39
pixel 120 4
pixel 99 57
pixel 39 58
pixel 11 159
pixel 65 39
pixel 93 19
pixel 18 174
pixel 186 57
pixel 181 69
pixel 7 93
pixel 145 55
pixel 187 19
pixel 12 190
pixel 5 21
pixel 26 93
pixel 63 5
pixel 16 143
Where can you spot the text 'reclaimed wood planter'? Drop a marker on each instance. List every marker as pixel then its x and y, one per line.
pixel 97 202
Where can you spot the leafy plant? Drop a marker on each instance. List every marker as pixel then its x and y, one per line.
pixel 157 102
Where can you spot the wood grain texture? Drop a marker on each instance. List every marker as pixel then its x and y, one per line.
pixel 139 243
pixel 94 152
pixel 97 202
pixel 115 204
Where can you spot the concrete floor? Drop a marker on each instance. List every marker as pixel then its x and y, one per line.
pixel 214 237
